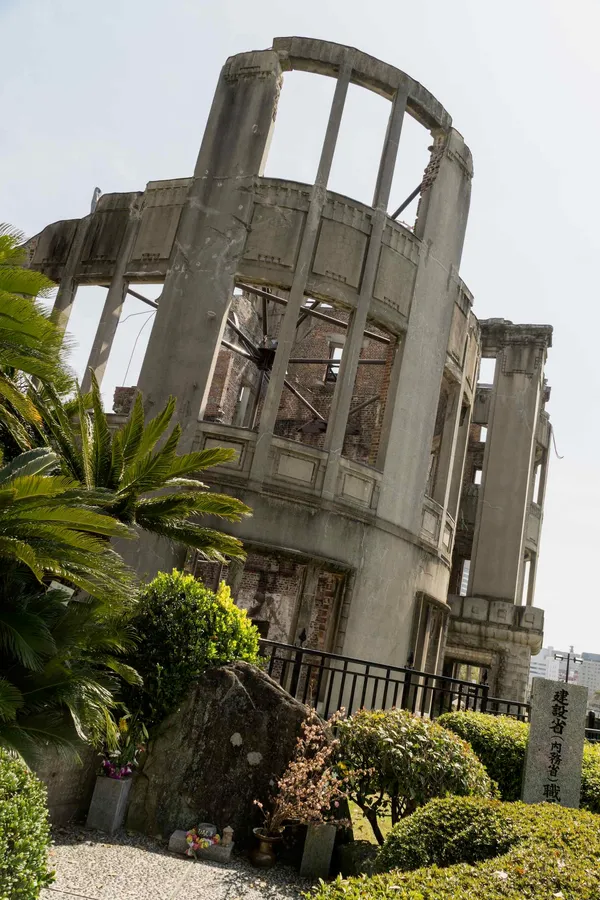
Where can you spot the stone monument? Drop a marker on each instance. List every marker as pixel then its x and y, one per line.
pixel 555 748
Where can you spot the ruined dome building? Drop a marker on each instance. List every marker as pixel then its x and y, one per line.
pixel 397 499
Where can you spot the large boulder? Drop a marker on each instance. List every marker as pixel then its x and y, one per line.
pixel 223 748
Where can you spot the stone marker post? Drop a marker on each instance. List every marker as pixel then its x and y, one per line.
pixel 555 748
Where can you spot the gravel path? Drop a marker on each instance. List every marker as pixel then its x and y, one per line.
pixel 94 866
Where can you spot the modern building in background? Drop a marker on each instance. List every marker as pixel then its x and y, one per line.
pixel 397 492
pixel 585 671
pixel 544 665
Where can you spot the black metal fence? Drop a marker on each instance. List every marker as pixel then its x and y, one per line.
pixel 329 682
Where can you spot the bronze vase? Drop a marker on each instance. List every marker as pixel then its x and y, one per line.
pixel 263 856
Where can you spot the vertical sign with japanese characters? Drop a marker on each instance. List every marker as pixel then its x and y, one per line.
pixel 555 747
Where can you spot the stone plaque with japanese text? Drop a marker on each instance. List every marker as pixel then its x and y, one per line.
pixel 555 748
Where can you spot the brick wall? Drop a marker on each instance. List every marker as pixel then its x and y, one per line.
pixel 279 597
pixel 315 339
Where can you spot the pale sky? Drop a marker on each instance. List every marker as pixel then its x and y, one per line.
pixel 116 93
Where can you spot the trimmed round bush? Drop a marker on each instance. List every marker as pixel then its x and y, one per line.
pixel 500 742
pixel 554 852
pixel 24 832
pixel 184 628
pixel 465 829
pixel 402 761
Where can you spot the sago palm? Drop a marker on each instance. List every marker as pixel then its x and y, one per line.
pixel 31 345
pixel 149 485
pixel 60 667
pixel 58 653
pixel 57 528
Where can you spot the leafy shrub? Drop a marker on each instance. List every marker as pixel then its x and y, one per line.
pixel 590 778
pixel 445 832
pixel 500 742
pixel 185 628
pixel 24 832
pixel 555 854
pixel 404 761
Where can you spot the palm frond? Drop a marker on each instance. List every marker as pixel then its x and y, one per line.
pixel 132 431
pixel 11 700
pixel 155 429
pixel 149 472
pixel 57 428
pixel 10 393
pixel 31 738
pixel 211 544
pixel 26 637
pixel 32 462
pixel 202 459
pixel 86 442
pixel 200 502
pixel 101 441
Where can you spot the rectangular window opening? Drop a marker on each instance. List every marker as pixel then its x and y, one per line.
pixel 537 483
pixel 332 370
pixel 129 348
pixel 413 158
pixel 464 579
pixel 83 323
pixel 239 378
pixel 525 598
pixel 487 369
pixel 299 129
pixel 360 144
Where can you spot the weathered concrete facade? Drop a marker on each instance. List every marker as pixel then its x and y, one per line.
pixel 337 352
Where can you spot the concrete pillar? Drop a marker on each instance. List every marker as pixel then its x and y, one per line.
pixel 448 445
pixel 65 296
pixel 310 235
pixel 441 225
pixel 211 237
pixel 113 305
pixel 503 507
pixel 344 388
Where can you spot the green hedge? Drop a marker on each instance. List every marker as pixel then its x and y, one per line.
pixel 552 852
pixel 500 743
pixel 24 832
pixel 590 778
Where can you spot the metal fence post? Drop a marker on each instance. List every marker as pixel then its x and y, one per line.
pixel 485 690
pixel 406 689
pixel 296 671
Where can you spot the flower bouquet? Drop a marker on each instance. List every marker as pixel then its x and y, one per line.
pixel 123 757
pixel 197 840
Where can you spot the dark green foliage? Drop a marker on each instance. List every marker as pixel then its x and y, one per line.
pixel 183 629
pixel 138 470
pixel 590 778
pixel 500 742
pixel 24 832
pixel 443 833
pixel 553 852
pixel 404 761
